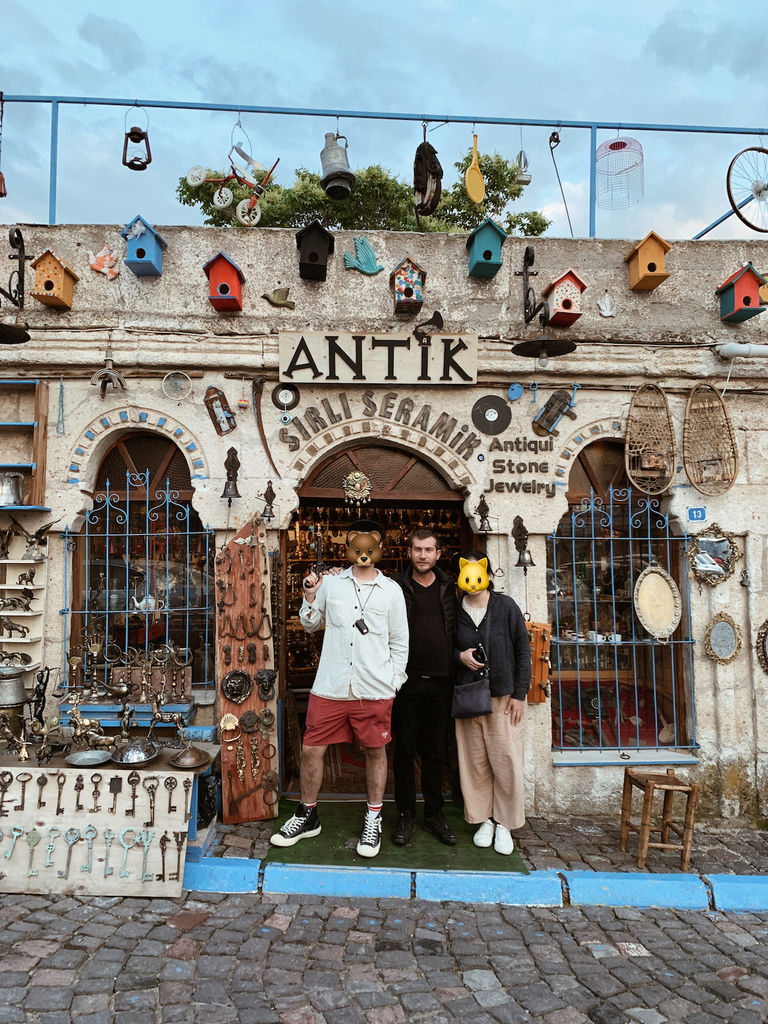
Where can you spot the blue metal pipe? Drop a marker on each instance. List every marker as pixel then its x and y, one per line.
pixel 721 219
pixel 54 162
pixel 592 179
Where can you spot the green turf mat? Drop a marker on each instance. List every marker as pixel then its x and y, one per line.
pixel 342 822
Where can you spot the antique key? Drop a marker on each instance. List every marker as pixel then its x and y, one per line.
pixel 61 780
pixel 170 784
pixel 16 833
pixel 89 834
pixel 115 787
pixel 187 788
pixel 71 836
pixel 146 839
pixel 126 847
pixel 23 778
pixel 79 787
pixel 179 838
pixel 133 781
pixel 109 835
pixel 164 843
pixel 6 778
pixel 33 838
pixel 42 782
pixel 96 780
pixel 53 834
pixel 150 784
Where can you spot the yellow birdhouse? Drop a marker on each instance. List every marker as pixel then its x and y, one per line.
pixel 54 281
pixel 646 263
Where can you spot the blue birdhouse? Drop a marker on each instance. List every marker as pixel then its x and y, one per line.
pixel 740 295
pixel 144 248
pixel 484 246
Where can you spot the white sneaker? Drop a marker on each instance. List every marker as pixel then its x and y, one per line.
pixel 370 837
pixel 484 835
pixel 503 841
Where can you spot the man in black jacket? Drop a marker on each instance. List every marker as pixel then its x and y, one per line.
pixel 422 708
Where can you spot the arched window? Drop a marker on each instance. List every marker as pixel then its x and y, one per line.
pixel 615 685
pixel 142 579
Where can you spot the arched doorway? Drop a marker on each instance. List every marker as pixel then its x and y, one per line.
pixel 406 492
pixel 615 686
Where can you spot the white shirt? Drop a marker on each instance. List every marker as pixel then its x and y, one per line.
pixel 371 666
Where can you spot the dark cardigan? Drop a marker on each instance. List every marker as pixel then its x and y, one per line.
pixel 508 648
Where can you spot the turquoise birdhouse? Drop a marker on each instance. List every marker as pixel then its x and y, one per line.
pixel 740 295
pixel 484 246
pixel 144 248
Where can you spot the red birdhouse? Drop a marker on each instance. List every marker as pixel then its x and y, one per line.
pixel 226 283
pixel 563 298
pixel 740 295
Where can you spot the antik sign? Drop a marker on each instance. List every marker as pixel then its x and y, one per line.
pixel 315 358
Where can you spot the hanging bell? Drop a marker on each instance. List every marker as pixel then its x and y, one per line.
pixel 338 180
pixel 141 155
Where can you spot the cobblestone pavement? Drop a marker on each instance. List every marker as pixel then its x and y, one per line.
pixel 213 958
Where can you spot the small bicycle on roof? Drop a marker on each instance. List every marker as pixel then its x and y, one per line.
pixel 247 211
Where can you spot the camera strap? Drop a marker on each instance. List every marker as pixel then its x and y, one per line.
pixel 360 596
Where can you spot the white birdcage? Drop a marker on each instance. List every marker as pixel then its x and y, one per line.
pixel 619 173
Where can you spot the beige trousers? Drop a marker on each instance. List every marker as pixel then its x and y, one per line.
pixel 491 766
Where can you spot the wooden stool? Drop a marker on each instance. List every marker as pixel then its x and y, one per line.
pixel 667 784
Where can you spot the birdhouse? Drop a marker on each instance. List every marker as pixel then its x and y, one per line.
pixel 315 245
pixel 740 295
pixel 226 283
pixel 408 281
pixel 54 281
pixel 484 246
pixel 646 263
pixel 144 248
pixel 563 297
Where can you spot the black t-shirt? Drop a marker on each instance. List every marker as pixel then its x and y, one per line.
pixel 429 650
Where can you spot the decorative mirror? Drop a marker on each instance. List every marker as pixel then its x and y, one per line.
pixel 722 638
pixel 713 555
pixel 657 602
pixel 762 646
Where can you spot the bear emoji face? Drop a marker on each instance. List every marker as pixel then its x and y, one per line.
pixel 473 576
pixel 364 548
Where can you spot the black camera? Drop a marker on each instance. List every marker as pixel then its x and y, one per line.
pixel 361 626
pixel 480 654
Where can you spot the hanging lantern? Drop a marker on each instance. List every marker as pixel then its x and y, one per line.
pixel 619 173
pixel 137 155
pixel 338 180
pixel 523 176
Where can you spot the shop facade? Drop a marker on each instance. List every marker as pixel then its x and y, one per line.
pixel 165 541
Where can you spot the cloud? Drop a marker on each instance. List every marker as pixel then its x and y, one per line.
pixel 683 42
pixel 122 48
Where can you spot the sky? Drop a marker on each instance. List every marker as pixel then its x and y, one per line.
pixel 659 62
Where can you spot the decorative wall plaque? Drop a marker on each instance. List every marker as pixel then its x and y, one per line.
pixel 722 639
pixel 657 602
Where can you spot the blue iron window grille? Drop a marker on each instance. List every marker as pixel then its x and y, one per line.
pixel 141 583
pixel 614 686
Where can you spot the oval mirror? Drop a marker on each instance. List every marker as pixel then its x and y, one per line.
pixel 657 602
pixel 713 555
pixel 722 638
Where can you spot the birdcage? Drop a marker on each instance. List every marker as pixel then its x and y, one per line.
pixel 619 172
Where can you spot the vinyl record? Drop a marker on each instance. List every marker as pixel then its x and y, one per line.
pixel 491 414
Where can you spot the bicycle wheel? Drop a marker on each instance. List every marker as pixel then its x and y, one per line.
pixel 747 185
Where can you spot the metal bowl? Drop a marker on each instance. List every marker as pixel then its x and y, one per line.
pixel 87 758
pixel 136 753
pixel 191 758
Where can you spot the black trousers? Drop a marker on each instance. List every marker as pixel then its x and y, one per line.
pixel 421 715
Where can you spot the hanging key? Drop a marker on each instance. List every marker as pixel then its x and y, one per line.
pixel 6 778
pixel 42 782
pixel 133 781
pixel 71 836
pixel 61 780
pixel 96 780
pixel 79 787
pixel 16 833
pixel 164 843
pixel 179 837
pixel 150 784
pixel 126 847
pixel 146 839
pixel 53 834
pixel 109 835
pixel 23 778
pixel 170 784
pixel 242 562
pixel 187 788
pixel 115 787
pixel 33 838
pixel 89 835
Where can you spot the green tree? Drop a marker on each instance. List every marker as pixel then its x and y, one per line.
pixel 378 201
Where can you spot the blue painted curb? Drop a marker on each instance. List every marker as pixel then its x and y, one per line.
pixel 311 880
pixel 632 889
pixel 739 892
pixel 538 889
pixel 222 874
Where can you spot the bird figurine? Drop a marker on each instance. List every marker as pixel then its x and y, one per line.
pixel 364 259
pixel 279 297
pixel 136 230
pixel 104 263
pixel 35 541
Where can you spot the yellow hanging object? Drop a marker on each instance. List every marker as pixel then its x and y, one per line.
pixel 473 179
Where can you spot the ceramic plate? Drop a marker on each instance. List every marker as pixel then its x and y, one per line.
pixel 657 602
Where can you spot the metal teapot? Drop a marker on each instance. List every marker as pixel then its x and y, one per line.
pixel 10 487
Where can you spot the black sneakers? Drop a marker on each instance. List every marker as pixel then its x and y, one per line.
pixel 440 828
pixel 370 837
pixel 402 834
pixel 303 824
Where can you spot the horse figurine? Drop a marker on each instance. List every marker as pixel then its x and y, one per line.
pixel 82 728
pixel 160 717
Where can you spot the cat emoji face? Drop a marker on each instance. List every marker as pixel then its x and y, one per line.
pixel 473 576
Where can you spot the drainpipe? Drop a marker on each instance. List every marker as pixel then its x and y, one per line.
pixel 735 350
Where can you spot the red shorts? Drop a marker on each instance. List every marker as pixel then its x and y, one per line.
pixel 343 721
